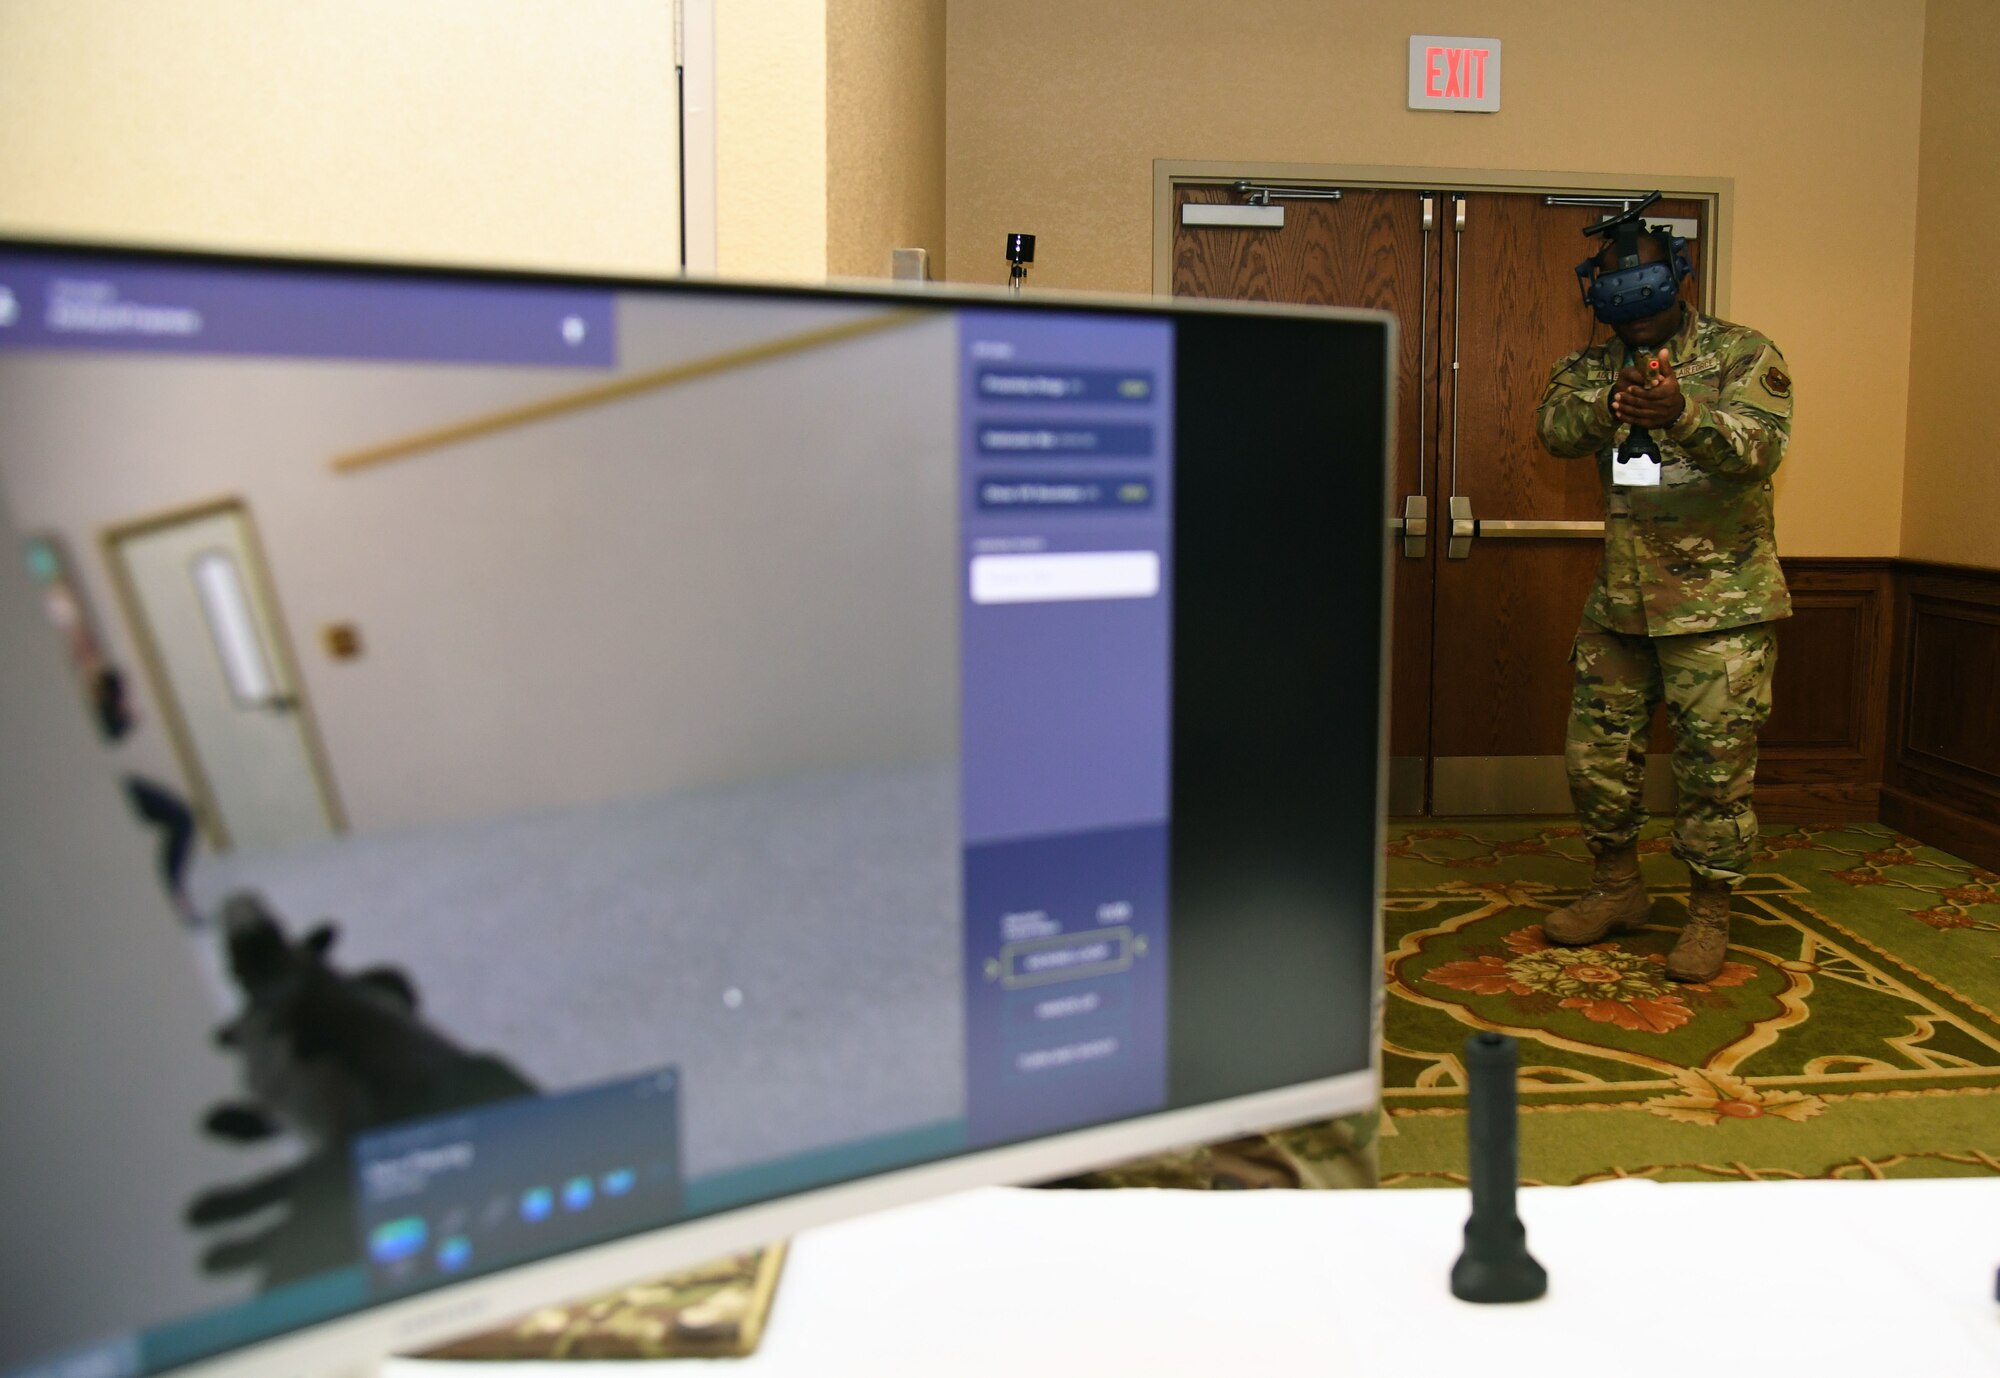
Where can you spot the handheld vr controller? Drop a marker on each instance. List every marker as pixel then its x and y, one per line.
pixel 1633 290
pixel 1639 446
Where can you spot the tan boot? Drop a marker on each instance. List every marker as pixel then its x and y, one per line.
pixel 1615 901
pixel 1699 953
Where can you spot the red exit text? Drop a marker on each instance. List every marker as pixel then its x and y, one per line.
pixel 1455 72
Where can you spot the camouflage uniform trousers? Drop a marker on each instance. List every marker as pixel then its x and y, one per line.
pixel 1717 689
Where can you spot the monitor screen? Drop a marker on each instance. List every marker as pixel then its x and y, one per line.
pixel 503 767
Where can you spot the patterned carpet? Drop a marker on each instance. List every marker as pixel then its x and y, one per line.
pixel 1853 1032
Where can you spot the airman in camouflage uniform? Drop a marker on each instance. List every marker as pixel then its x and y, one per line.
pixel 1682 610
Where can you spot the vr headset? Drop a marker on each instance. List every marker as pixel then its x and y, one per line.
pixel 1633 290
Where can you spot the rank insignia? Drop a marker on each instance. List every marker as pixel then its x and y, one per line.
pixel 1776 383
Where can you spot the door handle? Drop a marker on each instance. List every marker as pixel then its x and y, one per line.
pixel 281 703
pixel 1463 529
pixel 1414 526
pixel 1538 530
pixel 1417 508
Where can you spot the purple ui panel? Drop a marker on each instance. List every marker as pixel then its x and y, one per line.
pixel 170 308
pixel 1066 457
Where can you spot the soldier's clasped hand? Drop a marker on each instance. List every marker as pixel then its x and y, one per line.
pixel 1650 396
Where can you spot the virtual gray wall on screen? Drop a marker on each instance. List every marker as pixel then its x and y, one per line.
pixel 741 577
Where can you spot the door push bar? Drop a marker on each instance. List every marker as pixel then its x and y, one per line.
pixel 1539 529
pixel 1464 527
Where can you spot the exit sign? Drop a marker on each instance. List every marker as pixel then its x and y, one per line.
pixel 1454 73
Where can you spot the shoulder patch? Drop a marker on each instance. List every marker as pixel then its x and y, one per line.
pixel 1776 383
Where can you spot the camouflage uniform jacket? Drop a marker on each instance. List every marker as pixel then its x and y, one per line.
pixel 1697 553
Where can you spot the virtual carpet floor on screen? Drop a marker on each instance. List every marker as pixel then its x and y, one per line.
pixel 797 936
pixel 1853 1032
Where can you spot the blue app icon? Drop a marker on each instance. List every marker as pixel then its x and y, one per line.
pixel 577 1193
pixel 454 1253
pixel 536 1203
pixel 618 1181
pixel 392 1241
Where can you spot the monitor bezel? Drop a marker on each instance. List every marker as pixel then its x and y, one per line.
pixel 358 1341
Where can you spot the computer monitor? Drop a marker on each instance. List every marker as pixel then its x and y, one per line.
pixel 514 783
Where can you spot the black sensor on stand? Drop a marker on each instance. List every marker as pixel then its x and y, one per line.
pixel 1496 1264
pixel 1020 253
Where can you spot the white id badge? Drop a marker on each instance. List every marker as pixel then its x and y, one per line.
pixel 1641 471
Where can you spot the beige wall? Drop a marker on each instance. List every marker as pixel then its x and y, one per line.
pixel 771 139
pixel 830 135
pixel 513 132
pixel 483 131
pixel 884 133
pixel 1056 111
pixel 1951 484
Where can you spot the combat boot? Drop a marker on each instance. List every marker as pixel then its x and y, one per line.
pixel 1698 954
pixel 1615 901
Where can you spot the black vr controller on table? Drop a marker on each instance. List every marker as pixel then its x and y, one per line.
pixel 1633 290
pixel 1496 1265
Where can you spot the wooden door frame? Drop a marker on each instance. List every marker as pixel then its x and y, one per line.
pixel 166 702
pixel 1719 194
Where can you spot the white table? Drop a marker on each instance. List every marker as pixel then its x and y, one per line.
pixel 1693 1280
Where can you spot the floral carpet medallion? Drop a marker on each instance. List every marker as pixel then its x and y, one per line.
pixel 1605 983
pixel 1830 1021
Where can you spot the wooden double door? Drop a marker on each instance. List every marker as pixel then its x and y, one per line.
pixel 1491 576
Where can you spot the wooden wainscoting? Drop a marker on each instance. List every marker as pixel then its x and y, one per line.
pixel 1942 777
pixel 1820 758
